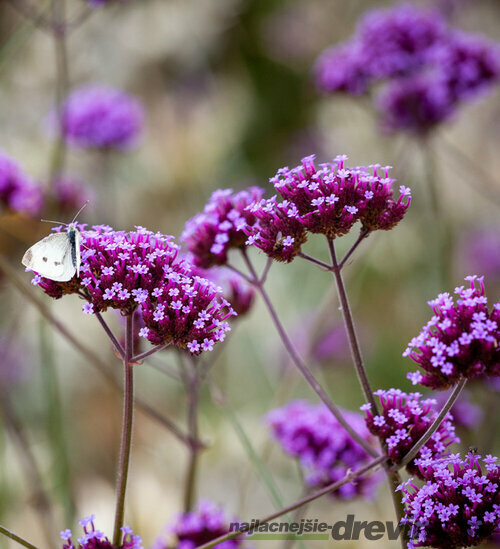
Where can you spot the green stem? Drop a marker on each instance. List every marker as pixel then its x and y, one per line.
pixel 126 443
pixel 16 538
pixel 58 157
pixel 193 390
pixel 55 421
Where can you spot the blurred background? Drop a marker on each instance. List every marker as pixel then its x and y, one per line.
pixel 229 98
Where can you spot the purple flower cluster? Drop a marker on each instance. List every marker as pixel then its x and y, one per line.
pixel 426 67
pixel 211 234
pixel 458 506
pixel 125 270
pixel 403 420
pixel 460 340
pixel 325 450
pixel 17 191
pixel 99 117
pixel 328 201
pixel 95 539
pixel 206 523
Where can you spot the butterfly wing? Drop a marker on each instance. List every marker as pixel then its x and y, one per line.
pixel 51 258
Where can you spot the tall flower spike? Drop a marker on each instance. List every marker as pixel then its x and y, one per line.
pixel 328 200
pixel 206 523
pixel 124 270
pixel 404 418
pixel 324 449
pixel 459 341
pixel 95 539
pixel 458 506
pixel 100 117
pixel 211 234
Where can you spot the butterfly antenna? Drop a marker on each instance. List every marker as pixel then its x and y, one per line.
pixel 56 222
pixel 79 211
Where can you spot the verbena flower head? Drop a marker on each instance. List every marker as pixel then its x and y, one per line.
pixel 415 104
pixel 343 68
pixel 17 191
pixel 100 117
pixel 324 449
pixel 403 419
pixel 95 539
pixel 468 63
pixel 124 270
pixel 458 506
pixel 327 200
pixel 398 40
pixel 426 68
pixel 211 234
pixel 206 523
pixel 459 341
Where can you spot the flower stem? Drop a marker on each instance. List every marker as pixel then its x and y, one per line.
pixel 16 538
pixel 301 365
pixel 434 426
pixel 362 235
pixel 58 159
pixel 349 477
pixel 351 331
pixel 128 411
pixel 116 344
pixel 193 390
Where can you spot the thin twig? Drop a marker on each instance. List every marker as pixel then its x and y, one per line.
pixel 302 366
pixel 239 273
pixel 317 262
pixel 349 477
pixel 351 331
pixel 145 354
pixel 265 272
pixel 16 538
pixel 363 233
pixel 117 345
pixel 433 427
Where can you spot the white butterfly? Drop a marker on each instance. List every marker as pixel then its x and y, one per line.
pixel 57 256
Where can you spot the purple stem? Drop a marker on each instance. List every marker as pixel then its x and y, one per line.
pixel 119 349
pixel 126 444
pixel 145 354
pixel 350 476
pixel 317 262
pixel 351 331
pixel 434 426
pixel 302 366
pixel 362 235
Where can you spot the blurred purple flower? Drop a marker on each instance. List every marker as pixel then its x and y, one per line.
pixel 459 506
pixel 403 420
pixel 124 270
pixel 206 523
pixel 343 68
pixel 95 539
pixel 397 41
pixel 12 364
pixel 459 341
pixel 427 67
pixel 480 251
pixel 414 104
pixel 332 345
pixel 71 194
pixel 17 191
pixel 324 449
pixel 100 117
pixel 465 414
